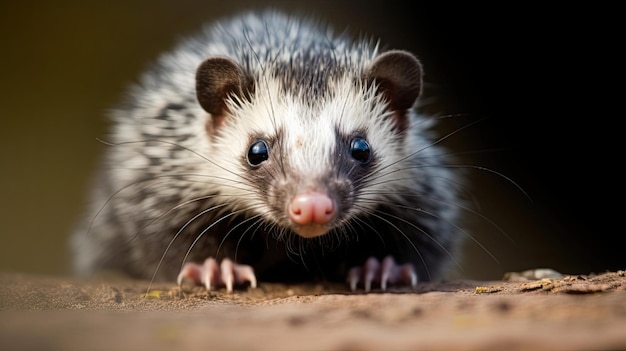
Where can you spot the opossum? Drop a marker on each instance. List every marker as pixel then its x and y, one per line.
pixel 266 147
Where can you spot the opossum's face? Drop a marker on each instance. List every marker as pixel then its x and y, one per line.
pixel 309 166
pixel 304 166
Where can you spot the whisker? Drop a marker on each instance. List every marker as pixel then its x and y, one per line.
pixel 257 222
pixel 203 212
pixel 374 230
pixel 455 204
pixel 485 169
pixel 432 238
pixel 300 253
pixel 201 156
pixel 176 207
pixel 219 247
pixel 461 153
pixel 417 251
pixel 467 166
pixel 199 236
pixel 432 144
pixel 420 210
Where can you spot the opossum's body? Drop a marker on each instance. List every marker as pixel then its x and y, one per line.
pixel 282 121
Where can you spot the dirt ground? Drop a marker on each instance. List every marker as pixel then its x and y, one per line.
pixel 60 313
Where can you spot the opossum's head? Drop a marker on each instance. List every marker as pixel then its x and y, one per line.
pixel 309 144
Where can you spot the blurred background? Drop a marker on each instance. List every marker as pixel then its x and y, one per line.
pixel 538 81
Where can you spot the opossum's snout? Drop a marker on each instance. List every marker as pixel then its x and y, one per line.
pixel 310 213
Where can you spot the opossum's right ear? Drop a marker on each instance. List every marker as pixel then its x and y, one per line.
pixel 398 75
pixel 217 79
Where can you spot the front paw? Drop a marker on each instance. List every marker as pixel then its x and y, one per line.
pixel 383 273
pixel 212 275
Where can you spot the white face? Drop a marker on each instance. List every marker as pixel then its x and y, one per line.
pixel 304 137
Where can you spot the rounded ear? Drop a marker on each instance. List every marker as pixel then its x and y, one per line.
pixel 217 78
pixel 398 75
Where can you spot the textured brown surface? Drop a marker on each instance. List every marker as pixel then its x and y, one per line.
pixel 57 313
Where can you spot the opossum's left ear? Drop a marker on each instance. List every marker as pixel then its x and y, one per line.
pixel 398 75
pixel 217 79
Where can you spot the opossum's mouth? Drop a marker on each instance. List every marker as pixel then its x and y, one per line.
pixel 311 230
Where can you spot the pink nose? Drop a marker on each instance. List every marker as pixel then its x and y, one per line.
pixel 311 208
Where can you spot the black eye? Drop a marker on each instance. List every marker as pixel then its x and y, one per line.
pixel 360 150
pixel 258 153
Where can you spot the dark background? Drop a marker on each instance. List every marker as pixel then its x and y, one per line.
pixel 543 83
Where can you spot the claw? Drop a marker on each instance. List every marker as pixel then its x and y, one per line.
pixel 212 275
pixel 372 272
pixel 227 274
pixel 353 277
pixel 387 272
